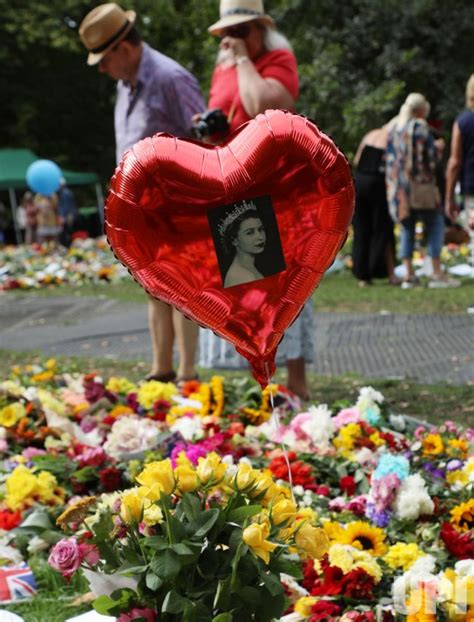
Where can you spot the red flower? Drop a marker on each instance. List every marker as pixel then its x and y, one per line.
pixel 301 473
pixel 461 545
pixel 324 491
pixel 323 610
pixel 9 520
pixel 347 484
pixel 358 584
pixel 110 478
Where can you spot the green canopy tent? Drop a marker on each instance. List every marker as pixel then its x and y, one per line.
pixel 13 166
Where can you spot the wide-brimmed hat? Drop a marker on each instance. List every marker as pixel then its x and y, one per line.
pixel 103 28
pixel 234 12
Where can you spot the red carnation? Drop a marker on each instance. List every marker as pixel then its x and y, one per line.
pixel 110 478
pixel 301 473
pixel 347 484
pixel 358 584
pixel 9 520
pixel 461 545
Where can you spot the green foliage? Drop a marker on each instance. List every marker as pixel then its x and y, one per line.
pixel 357 62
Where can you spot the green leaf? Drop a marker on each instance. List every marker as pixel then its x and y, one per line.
pixel 240 514
pixel 203 524
pixel 191 506
pixel 174 603
pixel 155 542
pixel 223 617
pixel 223 594
pixel 282 565
pixel 272 583
pixel 104 605
pixel 153 582
pixel 166 565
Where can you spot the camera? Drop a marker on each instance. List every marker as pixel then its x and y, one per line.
pixel 211 122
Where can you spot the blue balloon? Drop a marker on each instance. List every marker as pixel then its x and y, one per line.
pixel 43 176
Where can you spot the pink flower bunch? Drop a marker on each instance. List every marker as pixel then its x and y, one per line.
pixel 346 416
pixel 149 615
pixel 197 450
pixel 91 456
pixel 67 555
pixel 383 491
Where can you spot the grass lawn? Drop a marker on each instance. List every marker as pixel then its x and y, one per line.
pixel 432 403
pixel 338 292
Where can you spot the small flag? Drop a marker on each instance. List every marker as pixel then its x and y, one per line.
pixel 16 583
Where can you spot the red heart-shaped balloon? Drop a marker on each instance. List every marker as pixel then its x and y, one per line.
pixel 174 205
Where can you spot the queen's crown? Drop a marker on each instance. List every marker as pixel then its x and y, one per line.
pixel 244 206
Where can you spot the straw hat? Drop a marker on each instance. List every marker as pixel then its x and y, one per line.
pixel 234 12
pixel 103 28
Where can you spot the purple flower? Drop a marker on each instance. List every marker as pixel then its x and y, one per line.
pixel 435 472
pixel 454 465
pixel 95 391
pixel 380 518
pixel 384 490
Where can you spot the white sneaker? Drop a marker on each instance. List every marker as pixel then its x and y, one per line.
pixel 410 283
pixel 443 281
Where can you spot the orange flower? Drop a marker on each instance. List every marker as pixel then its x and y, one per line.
pixel 433 445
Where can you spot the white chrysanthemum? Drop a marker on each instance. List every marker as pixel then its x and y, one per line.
pixel 131 435
pixel 413 499
pixel 13 388
pixel 321 428
pixel 189 427
pixel 421 571
pixel 365 456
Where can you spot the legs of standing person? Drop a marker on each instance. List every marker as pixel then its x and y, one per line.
pixel 297 381
pixel 433 222
pixel 361 246
pixel 186 333
pixel 160 322
pixel 407 245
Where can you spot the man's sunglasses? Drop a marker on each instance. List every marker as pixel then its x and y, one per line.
pixel 241 31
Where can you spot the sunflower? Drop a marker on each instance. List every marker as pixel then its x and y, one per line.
pixel 463 516
pixel 76 512
pixel 364 537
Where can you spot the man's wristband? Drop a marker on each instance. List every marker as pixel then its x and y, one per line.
pixel 241 59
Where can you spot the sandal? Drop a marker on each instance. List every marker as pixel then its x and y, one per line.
pixel 394 280
pixel 182 380
pixel 167 377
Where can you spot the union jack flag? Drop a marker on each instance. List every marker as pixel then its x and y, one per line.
pixel 16 583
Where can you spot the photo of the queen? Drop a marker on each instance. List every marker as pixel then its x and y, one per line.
pixel 246 239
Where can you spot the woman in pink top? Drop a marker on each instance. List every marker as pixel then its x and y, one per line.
pixel 255 71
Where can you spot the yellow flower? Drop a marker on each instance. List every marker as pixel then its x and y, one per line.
pixel 463 516
pixel 432 445
pixel 402 555
pixel 457 477
pixel 245 477
pixel 364 537
pixel 23 488
pixel 339 556
pixel 131 508
pixel 303 605
pixel 255 536
pixel 76 512
pixel 43 376
pixel 152 391
pixel 311 541
pixel 283 511
pixel 457 447
pixel 348 558
pixel 10 414
pixel 211 468
pixel 186 476
pixel 120 385
pixel 120 410
pixel 347 437
pixel 375 438
pixel 152 515
pixel 334 531
pixel 157 477
pixel 50 364
pixel 216 385
pixel 48 401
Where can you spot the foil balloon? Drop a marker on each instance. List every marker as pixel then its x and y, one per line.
pixel 235 236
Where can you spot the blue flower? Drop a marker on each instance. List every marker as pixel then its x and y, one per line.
pixel 372 414
pixel 389 463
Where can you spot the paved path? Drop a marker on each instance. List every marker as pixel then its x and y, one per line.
pixel 430 348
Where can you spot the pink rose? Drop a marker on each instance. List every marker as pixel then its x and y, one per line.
pixel 65 557
pixel 31 452
pixel 345 416
pixel 298 422
pixel 357 505
pixel 148 614
pixel 89 553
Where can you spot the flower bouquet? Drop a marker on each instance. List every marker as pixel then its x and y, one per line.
pixel 195 543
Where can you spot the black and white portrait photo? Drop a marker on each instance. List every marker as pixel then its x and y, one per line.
pixel 247 241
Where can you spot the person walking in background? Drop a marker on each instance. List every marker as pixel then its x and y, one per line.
pixel 67 213
pixel 154 94
pixel 255 70
pixel 373 250
pixel 411 187
pixel 48 228
pixel 31 217
pixel 461 160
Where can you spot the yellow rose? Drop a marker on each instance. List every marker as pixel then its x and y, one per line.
pixel 245 476
pixel 255 536
pixel 186 478
pixel 283 511
pixel 312 541
pixel 131 508
pixel 157 477
pixel 211 468
pixel 10 414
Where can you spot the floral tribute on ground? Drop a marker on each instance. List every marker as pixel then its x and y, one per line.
pixel 177 504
